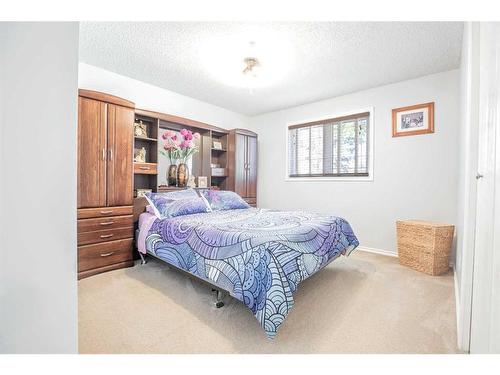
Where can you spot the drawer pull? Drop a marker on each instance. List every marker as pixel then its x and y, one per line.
pixel 106 235
pixel 106 212
pixel 107 254
pixel 144 168
pixel 107 223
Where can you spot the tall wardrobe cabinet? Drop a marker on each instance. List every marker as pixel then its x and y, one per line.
pixel 242 164
pixel 105 182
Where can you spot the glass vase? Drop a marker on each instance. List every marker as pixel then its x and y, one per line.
pixel 182 175
pixel 172 175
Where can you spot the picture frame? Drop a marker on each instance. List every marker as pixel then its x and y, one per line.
pixel 413 120
pixel 217 145
pixel 202 181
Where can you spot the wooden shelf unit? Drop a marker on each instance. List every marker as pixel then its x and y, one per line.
pixel 218 156
pixel 146 174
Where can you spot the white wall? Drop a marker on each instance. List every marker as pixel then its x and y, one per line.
pixel 38 280
pixel 414 177
pixel 153 98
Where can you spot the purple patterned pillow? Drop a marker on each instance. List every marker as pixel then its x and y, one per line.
pixel 160 201
pixel 186 206
pixel 220 200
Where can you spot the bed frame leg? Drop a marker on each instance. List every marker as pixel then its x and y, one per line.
pixel 219 296
pixel 143 258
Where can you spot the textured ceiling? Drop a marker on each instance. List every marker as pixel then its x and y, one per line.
pixel 300 62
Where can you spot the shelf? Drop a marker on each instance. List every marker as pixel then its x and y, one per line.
pixel 219 149
pixel 145 139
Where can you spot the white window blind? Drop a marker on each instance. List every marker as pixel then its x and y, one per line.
pixel 330 148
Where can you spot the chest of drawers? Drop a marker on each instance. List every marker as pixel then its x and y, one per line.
pixel 105 237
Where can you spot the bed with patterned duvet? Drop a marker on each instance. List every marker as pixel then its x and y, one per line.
pixel 259 255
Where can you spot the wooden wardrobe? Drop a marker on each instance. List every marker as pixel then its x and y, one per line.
pixel 242 164
pixel 105 182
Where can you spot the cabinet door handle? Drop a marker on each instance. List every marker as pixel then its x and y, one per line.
pixel 110 154
pixel 107 254
pixel 103 154
pixel 107 223
pixel 144 168
pixel 106 212
pixel 106 235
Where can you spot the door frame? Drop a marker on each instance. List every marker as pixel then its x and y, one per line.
pixel 485 304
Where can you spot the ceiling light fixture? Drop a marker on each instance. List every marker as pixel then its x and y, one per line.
pixel 251 66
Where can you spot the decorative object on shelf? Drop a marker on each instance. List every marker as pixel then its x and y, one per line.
pixel 217 145
pixel 172 175
pixel 218 172
pixel 182 174
pixel 214 165
pixel 191 183
pixel 141 192
pixel 179 147
pixel 413 120
pixel 140 155
pixel 202 181
pixel 140 130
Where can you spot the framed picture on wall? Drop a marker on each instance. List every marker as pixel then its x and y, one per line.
pixel 413 120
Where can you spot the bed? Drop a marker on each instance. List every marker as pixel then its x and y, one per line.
pixel 259 256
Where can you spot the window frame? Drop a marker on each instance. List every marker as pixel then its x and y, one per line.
pixel 320 178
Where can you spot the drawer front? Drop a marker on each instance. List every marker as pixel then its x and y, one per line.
pixel 105 235
pixel 145 168
pixel 113 222
pixel 101 255
pixel 86 213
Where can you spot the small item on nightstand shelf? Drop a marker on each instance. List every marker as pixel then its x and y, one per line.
pixel 425 246
pixel 141 192
pixel 140 130
pixel 140 155
pixel 202 181
pixel 191 183
pixel 217 145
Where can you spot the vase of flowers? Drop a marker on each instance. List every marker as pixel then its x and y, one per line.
pixel 179 148
pixel 187 148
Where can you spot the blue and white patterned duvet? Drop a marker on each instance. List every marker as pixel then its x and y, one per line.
pixel 258 255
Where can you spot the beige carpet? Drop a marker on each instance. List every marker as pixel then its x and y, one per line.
pixel 362 304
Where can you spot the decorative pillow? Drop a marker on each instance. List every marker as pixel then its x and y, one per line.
pixel 219 200
pixel 160 201
pixel 186 206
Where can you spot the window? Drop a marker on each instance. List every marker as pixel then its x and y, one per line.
pixel 338 147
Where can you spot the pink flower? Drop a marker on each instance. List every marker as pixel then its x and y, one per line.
pixel 196 135
pixel 174 137
pixel 184 145
pixel 168 134
pixel 184 132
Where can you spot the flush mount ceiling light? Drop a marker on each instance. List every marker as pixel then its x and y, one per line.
pixel 250 60
pixel 251 66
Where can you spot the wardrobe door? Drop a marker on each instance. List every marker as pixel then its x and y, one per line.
pixel 120 156
pixel 92 141
pixel 251 167
pixel 240 158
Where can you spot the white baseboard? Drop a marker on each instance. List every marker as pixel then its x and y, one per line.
pixel 377 251
pixel 457 307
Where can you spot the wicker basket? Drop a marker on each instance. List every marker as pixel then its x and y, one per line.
pixel 425 246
